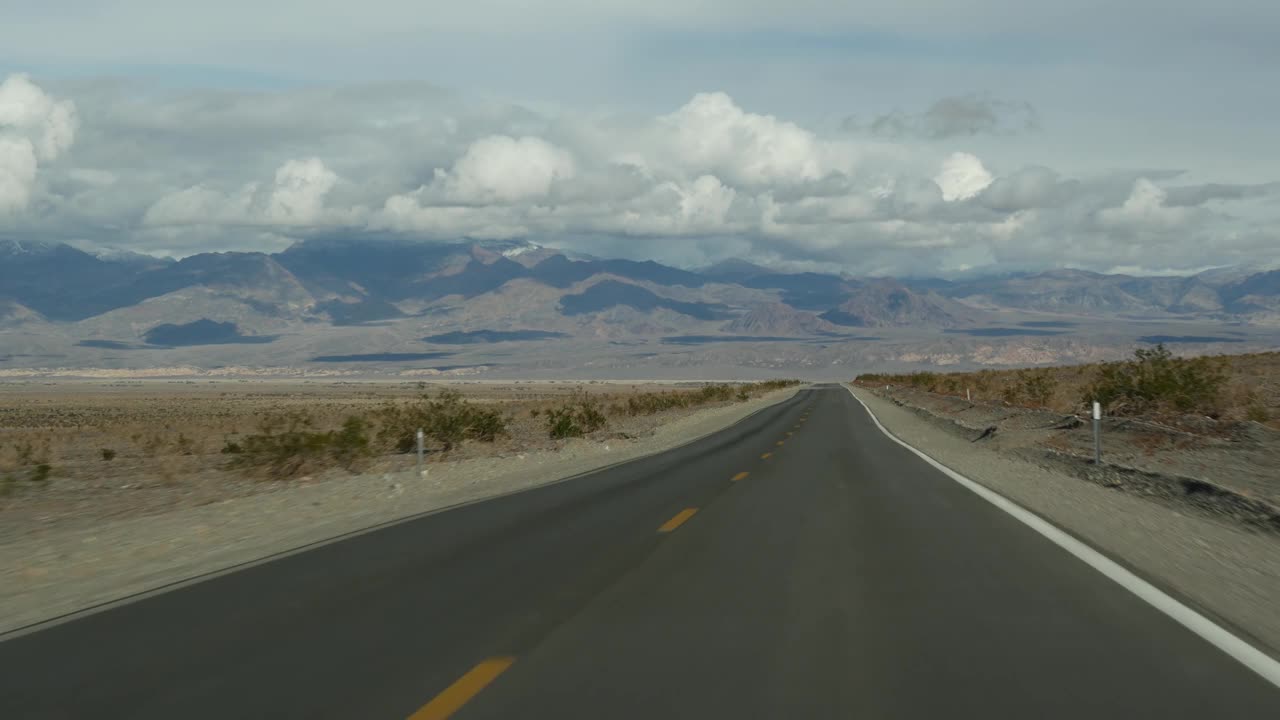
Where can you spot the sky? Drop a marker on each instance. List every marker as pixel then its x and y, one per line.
pixel 921 137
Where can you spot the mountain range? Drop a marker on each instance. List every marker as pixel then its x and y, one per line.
pixel 329 297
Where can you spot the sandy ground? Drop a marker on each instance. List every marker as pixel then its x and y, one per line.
pixel 75 566
pixel 1221 567
pixel 165 439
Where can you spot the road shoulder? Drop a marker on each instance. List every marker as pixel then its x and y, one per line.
pixel 1226 572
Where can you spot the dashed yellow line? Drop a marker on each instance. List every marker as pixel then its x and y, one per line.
pixel 463 689
pixel 766 456
pixel 680 518
pixel 740 476
pixel 789 433
pixel 781 443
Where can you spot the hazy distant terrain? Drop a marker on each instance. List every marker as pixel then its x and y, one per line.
pixel 357 306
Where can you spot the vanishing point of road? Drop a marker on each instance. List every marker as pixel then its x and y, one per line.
pixel 799 564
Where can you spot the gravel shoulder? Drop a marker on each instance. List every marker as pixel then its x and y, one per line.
pixel 61 572
pixel 1224 569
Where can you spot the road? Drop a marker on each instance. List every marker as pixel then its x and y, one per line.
pixel 799 564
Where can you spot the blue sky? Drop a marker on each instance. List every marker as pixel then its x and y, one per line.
pixel 197 126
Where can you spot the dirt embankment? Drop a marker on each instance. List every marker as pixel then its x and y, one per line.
pixel 1225 469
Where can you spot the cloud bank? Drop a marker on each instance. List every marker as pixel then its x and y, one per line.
pixel 141 169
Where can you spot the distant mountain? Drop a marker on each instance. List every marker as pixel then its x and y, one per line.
pixel 888 303
pixel 777 319
pixel 350 268
pixel 475 337
pixel 378 296
pixel 61 282
pixel 733 271
pixel 560 271
pixel 1058 291
pixel 806 291
pixel 12 313
pixel 1210 294
pixel 200 332
pixel 612 293
pixel 340 312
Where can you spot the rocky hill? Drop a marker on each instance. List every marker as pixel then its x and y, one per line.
pixel 378 297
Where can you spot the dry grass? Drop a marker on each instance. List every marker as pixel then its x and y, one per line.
pixel 156 435
pixel 1250 389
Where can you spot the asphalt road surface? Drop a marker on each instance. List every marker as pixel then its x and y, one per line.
pixel 799 564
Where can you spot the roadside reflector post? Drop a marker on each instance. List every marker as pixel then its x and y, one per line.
pixel 967 396
pixel 1097 433
pixel 420 450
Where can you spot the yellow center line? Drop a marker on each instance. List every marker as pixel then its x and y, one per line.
pixel 781 442
pixel 766 456
pixel 463 689
pixel 679 519
pixel 789 433
pixel 740 476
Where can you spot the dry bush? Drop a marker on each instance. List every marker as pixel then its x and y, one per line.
pixel 577 417
pixel 1153 382
pixel 287 445
pixel 447 419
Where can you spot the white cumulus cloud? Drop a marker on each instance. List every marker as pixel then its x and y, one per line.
pixel 961 177
pixel 34 128
pixel 192 171
pixel 299 192
pixel 1145 208
pixel 295 198
pixel 505 169
pixel 711 134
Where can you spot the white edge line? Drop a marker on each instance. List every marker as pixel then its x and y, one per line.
pixel 178 584
pixel 1239 650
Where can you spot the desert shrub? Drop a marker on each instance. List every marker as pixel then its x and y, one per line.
pixel 351 442
pixel 651 403
pixel 1011 394
pixel 486 425
pixel 41 472
pixel 150 445
pixel 185 445
pixel 1037 386
pixel 1155 380
pixel 714 393
pixel 981 381
pixel 107 454
pixel 1257 413
pixel 8 484
pixel 287 445
pixel 447 419
pixel 579 416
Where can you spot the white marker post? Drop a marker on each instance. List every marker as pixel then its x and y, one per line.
pixel 967 396
pixel 1097 433
pixel 420 448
